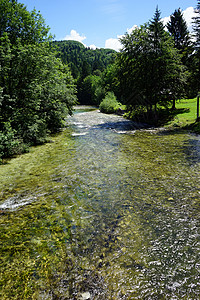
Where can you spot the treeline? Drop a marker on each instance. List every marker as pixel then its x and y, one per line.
pixel 156 66
pixel 87 67
pixel 37 90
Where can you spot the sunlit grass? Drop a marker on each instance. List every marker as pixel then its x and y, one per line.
pixel 188 116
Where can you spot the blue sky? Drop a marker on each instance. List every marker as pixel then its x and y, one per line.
pixel 102 22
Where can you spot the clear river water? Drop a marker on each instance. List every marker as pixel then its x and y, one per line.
pixel 104 211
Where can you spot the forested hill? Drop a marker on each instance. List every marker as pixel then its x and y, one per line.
pixel 83 61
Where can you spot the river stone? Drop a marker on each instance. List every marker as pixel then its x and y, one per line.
pixel 85 296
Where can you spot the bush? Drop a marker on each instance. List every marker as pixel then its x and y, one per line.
pixel 9 144
pixel 109 105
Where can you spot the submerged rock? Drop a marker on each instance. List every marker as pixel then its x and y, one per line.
pixel 85 296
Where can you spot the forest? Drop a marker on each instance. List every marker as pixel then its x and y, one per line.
pixel 41 80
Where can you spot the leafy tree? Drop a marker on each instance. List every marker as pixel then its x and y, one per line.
pixel 36 89
pixel 92 91
pixel 21 24
pixel 40 92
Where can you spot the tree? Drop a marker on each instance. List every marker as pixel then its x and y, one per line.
pixel 150 68
pixel 156 31
pixel 177 27
pixel 36 90
pixel 196 30
pixel 21 24
pixel 196 26
pixel 92 91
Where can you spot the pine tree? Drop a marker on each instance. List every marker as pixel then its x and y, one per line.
pixel 156 29
pixel 196 26
pixel 177 27
pixel 196 29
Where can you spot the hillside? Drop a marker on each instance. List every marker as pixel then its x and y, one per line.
pixel 83 61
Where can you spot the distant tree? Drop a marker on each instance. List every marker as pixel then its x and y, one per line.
pixel 92 91
pixel 85 62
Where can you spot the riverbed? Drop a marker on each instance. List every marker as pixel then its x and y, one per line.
pixel 107 210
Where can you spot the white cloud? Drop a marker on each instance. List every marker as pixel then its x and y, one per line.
pixel 75 36
pixel 165 20
pixel 114 43
pixel 93 47
pixel 188 14
pixel 129 30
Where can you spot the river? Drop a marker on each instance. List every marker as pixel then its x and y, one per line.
pixel 104 211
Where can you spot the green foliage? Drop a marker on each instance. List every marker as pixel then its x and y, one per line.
pixel 109 104
pixel 87 67
pixel 196 26
pixel 177 27
pixel 9 144
pixel 37 90
pixel 195 78
pixel 18 23
pixel 81 60
pixel 150 71
pixel 92 90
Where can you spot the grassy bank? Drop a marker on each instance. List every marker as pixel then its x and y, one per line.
pixel 185 115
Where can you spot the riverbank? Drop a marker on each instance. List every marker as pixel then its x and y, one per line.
pixel 183 117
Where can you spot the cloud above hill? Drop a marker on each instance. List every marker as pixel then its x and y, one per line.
pixel 75 36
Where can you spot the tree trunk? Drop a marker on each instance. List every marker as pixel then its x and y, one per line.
pixel 174 104
pixel 198 118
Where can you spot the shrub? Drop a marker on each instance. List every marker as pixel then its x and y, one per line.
pixel 9 144
pixel 109 104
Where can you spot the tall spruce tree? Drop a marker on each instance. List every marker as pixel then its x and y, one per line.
pixel 177 27
pixel 156 28
pixel 196 30
pixel 196 26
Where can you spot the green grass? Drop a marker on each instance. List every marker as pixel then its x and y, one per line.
pixel 185 115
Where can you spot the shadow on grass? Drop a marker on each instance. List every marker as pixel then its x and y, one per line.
pixel 162 118
pixel 159 118
pixel 194 127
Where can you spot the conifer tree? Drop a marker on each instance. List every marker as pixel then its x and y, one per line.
pixel 177 27
pixel 196 29
pixel 196 26
pixel 156 28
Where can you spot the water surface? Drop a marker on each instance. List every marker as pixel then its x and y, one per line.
pixel 105 211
